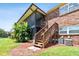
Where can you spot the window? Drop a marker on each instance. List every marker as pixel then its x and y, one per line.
pixel 73 6
pixel 73 31
pixel 68 8
pixel 63 32
pixel 63 9
pixel 69 30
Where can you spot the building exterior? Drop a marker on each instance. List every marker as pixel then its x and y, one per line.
pixel 35 18
pixel 68 21
pixel 59 22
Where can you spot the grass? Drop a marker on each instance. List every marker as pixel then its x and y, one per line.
pixel 6 45
pixel 60 51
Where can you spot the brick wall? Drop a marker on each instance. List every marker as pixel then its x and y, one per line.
pixel 52 15
pixel 75 40
pixel 68 19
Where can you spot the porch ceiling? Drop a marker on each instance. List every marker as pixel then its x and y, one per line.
pixel 29 11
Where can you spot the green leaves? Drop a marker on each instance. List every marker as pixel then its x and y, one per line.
pixel 22 32
pixel 3 33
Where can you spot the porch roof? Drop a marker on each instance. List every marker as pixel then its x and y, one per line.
pixel 29 11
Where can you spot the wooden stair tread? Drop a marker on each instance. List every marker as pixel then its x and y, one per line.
pixel 38 45
pixel 39 41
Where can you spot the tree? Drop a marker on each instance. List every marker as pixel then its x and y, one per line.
pixel 22 32
pixel 3 33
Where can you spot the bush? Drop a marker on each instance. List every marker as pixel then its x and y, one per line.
pixel 22 32
pixel 3 33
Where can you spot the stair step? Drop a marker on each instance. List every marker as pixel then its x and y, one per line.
pixel 39 41
pixel 38 45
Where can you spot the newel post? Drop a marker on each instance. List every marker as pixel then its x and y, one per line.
pixel 34 39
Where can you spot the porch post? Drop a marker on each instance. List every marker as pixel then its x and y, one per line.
pixel 34 40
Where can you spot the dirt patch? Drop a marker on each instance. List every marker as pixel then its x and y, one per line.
pixel 23 50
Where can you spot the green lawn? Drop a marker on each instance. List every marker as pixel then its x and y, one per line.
pixel 6 45
pixel 61 51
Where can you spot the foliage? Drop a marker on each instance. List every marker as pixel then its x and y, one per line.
pixel 22 32
pixel 6 45
pixel 3 33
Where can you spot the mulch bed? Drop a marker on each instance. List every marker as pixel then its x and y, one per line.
pixel 23 51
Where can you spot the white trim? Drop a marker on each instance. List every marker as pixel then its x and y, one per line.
pixel 67 30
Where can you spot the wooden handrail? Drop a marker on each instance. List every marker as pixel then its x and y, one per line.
pixel 41 30
pixel 45 35
pixel 50 32
pixel 38 35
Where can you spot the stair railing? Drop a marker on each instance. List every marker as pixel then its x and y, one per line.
pixel 38 35
pixel 49 33
pixel 45 33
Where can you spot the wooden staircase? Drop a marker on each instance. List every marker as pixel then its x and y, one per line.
pixel 41 38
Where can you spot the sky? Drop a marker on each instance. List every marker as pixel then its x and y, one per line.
pixel 11 12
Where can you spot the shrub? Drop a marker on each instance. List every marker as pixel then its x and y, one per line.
pixel 22 32
pixel 3 33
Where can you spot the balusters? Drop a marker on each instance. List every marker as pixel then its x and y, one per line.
pixel 45 34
